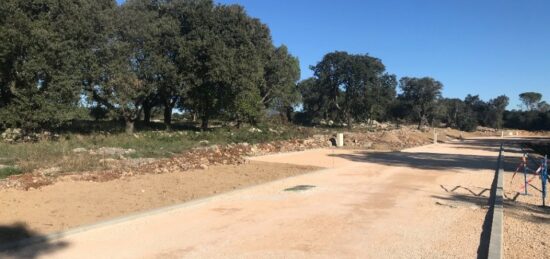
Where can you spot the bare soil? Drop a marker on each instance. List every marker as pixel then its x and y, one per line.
pixel 526 222
pixel 425 202
pixel 67 203
pixel 230 154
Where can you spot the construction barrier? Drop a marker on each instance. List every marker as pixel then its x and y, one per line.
pixel 541 172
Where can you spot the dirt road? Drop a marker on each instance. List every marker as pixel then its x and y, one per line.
pixel 426 202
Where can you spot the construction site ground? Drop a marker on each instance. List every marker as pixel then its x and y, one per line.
pixel 423 202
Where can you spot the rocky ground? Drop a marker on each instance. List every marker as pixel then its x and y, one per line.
pixel 118 162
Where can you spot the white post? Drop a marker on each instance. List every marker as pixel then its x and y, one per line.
pixel 435 137
pixel 340 139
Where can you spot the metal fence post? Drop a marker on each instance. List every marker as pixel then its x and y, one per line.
pixel 525 172
pixel 544 177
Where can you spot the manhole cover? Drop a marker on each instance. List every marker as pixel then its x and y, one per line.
pixel 299 188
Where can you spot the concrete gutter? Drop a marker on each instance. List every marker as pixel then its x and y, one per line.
pixel 496 202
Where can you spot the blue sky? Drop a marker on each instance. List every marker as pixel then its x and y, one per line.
pixel 479 47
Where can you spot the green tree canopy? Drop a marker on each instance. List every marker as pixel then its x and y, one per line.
pixel 421 95
pixel 530 100
pixel 349 87
pixel 282 72
pixel 227 56
pixel 44 57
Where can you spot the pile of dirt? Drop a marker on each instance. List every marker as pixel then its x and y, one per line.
pixel 198 158
pixel 396 139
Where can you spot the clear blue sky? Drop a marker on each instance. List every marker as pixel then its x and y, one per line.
pixel 479 47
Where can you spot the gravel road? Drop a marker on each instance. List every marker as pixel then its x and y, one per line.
pixel 425 202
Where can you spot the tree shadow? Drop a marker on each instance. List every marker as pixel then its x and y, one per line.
pixel 445 161
pixel 18 241
pixel 483 190
pixel 525 211
pixel 423 160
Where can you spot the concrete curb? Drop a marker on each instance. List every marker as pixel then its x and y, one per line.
pixel 497 224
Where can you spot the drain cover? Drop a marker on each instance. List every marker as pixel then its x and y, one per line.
pixel 299 188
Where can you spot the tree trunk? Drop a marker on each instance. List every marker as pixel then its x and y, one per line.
pixel 129 126
pixel 168 116
pixel 289 111
pixel 204 123
pixel 420 119
pixel 147 114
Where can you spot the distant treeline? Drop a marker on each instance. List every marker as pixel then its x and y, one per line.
pixel 65 60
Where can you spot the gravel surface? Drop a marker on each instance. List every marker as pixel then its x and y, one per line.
pixel 426 202
pixel 68 204
pixel 526 223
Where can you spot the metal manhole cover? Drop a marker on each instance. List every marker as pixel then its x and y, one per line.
pixel 299 188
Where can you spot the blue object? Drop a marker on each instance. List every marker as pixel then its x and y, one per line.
pixel 544 178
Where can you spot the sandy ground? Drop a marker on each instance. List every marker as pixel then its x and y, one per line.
pixel 526 223
pixel 73 203
pixel 426 202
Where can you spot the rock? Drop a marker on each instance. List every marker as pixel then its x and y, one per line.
pixel 274 131
pixel 12 134
pixel 203 167
pixel 367 144
pixel 112 151
pixel 80 150
pixel 308 141
pixel 204 142
pixel 107 160
pixel 445 204
pixel 254 130
pixel 51 170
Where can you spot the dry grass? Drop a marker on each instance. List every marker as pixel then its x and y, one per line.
pixel 58 156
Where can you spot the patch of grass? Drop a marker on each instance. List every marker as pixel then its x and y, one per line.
pixel 147 144
pixel 7 171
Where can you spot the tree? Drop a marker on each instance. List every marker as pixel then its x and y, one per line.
pixel 543 106
pixel 495 112
pixel 226 58
pixel 282 72
pixel 452 111
pixel 530 100
pixel 349 87
pixel 122 80
pixel 45 51
pixel 477 107
pixel 420 94
pixel 160 70
pixel 312 99
pixel 380 96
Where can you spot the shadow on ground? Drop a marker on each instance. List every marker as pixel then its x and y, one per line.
pixel 444 161
pixel 14 240
pixel 420 160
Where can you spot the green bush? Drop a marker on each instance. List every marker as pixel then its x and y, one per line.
pixel 7 171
